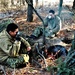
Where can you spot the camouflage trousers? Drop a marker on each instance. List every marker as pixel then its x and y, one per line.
pixel 39 32
pixel 14 62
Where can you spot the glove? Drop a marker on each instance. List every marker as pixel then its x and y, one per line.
pixel 26 57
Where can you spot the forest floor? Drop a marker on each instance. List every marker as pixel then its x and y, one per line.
pixel 27 28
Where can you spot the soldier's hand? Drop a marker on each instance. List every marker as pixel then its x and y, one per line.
pixel 28 48
pixel 50 31
pixel 25 57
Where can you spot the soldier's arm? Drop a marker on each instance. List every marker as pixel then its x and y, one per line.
pixel 11 49
pixel 46 22
pixel 26 43
pixel 58 25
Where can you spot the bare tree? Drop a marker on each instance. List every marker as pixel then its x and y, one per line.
pixel 36 3
pixel 60 7
pixel 73 4
pixel 30 11
pixel 12 2
pixel 23 1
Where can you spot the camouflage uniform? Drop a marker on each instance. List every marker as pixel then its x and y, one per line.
pixel 10 50
pixel 52 27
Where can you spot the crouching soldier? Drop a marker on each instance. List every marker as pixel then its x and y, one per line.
pixel 52 25
pixel 11 52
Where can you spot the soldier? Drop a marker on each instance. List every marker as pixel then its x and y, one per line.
pixel 52 25
pixel 11 52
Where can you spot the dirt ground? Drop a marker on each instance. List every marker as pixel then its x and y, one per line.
pixel 27 28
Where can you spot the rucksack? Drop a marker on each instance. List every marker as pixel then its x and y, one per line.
pixel 4 23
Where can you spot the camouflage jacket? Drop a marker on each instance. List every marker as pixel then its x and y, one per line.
pixel 9 47
pixel 53 25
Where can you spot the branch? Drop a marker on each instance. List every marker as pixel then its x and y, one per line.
pixel 29 3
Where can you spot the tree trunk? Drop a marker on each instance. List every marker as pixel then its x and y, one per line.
pixel 36 3
pixel 23 1
pixel 73 4
pixel 30 12
pixel 12 2
pixel 60 7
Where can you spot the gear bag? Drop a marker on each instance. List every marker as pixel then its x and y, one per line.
pixel 4 23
